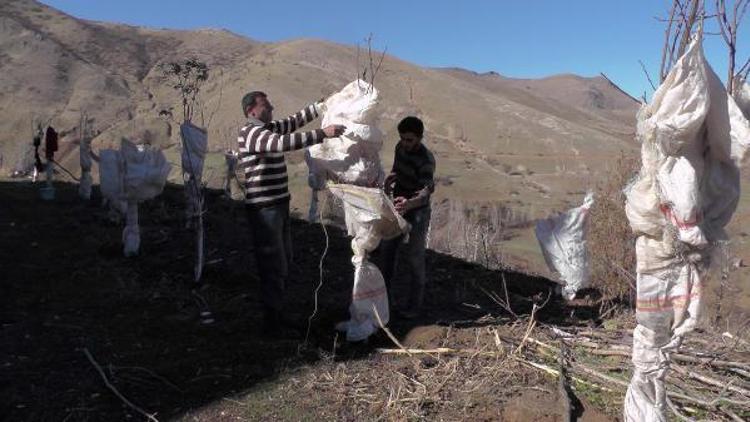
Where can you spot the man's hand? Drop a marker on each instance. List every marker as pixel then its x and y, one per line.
pixel 401 204
pixel 334 131
pixel 388 183
pixel 390 179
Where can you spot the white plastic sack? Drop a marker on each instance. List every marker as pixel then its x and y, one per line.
pixel 742 97
pixel 368 295
pixel 370 218
pixel 563 242
pixel 642 206
pixel 232 188
pixel 353 158
pixel 133 174
pixel 694 138
pixel 194 146
pixel 146 171
pixel 679 189
pixel 111 170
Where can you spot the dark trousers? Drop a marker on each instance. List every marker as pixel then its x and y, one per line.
pixel 414 252
pixel 272 241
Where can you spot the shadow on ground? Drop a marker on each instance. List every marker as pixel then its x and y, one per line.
pixel 66 287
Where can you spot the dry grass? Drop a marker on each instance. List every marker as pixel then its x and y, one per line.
pixel 477 378
pixel 473 231
pixel 610 239
pixel 485 371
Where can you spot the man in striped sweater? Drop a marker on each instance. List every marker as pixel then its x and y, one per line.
pixel 262 144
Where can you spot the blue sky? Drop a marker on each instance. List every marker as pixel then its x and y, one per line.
pixel 514 38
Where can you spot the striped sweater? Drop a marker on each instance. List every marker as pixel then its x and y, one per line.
pixel 261 159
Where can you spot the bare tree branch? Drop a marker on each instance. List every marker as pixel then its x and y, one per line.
pixel 689 22
pixel 742 12
pixel 675 38
pixel 662 73
pixel 647 75
pixel 377 68
pixel 729 26
pixel 745 68
pixel 119 395
pixel 721 17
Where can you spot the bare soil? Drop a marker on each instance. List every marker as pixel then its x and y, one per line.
pixel 66 287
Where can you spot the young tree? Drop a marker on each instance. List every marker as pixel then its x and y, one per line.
pixel 187 78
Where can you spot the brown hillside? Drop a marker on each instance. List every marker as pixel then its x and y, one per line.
pixel 480 126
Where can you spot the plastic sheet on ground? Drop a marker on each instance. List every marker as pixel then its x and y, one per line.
pixel 694 139
pixel 563 242
pixel 370 218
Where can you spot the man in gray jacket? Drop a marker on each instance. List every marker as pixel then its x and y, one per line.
pixel 411 183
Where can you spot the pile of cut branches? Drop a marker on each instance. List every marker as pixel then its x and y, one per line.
pixel 709 377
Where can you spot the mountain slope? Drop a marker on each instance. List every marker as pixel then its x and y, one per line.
pixel 558 130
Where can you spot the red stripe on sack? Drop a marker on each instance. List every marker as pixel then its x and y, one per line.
pixel 667 211
pixel 661 305
pixel 368 294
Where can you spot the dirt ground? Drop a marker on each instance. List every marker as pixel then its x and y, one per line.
pixel 66 289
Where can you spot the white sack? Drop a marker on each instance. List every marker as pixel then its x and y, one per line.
pixel 693 137
pixel 353 158
pixel 194 147
pixel 563 242
pixel 679 189
pixel 369 292
pixel 370 218
pixel 133 174
pixel 232 188
pixel 146 171
pixel 742 96
pixel 111 170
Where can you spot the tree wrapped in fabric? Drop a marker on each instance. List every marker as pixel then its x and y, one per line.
pixel 187 78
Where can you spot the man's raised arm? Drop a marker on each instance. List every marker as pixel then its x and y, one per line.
pixel 259 140
pixel 295 121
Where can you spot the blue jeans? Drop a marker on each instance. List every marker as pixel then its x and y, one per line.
pixel 272 242
pixel 414 256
